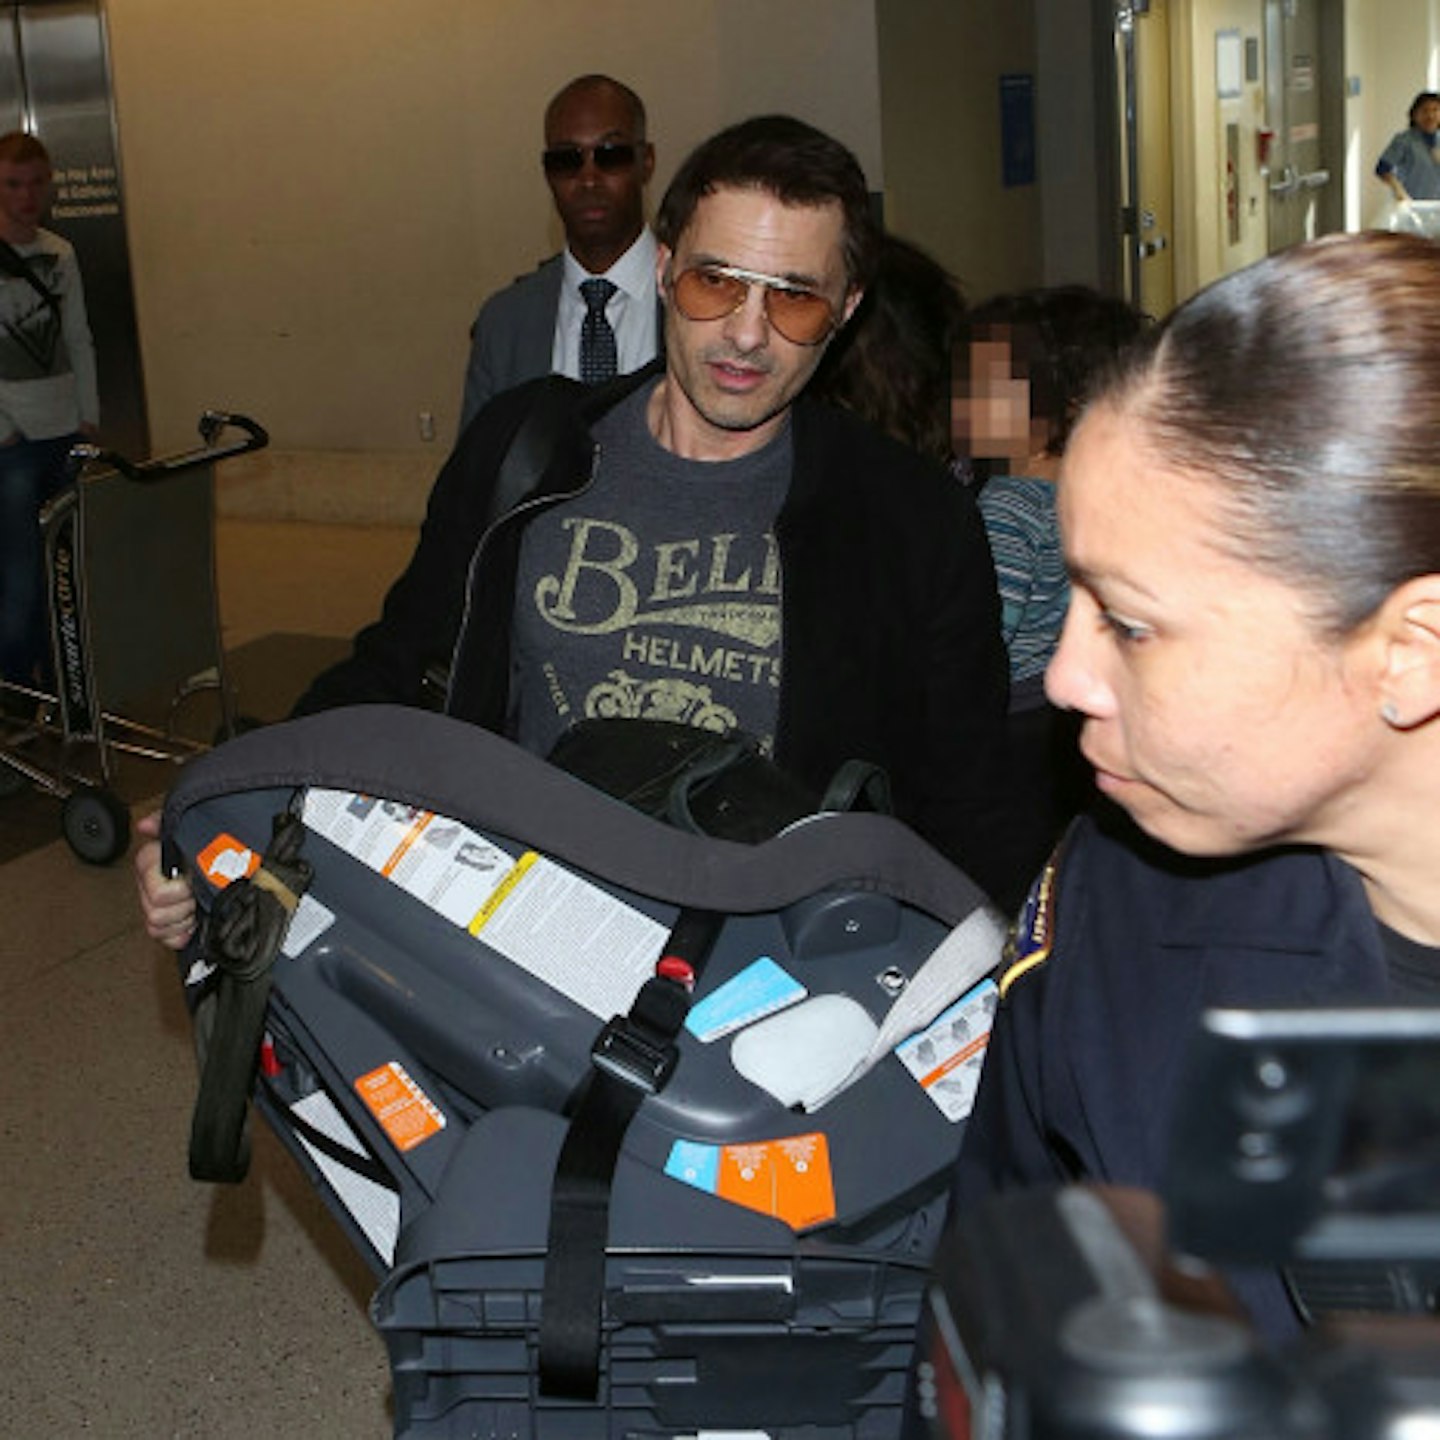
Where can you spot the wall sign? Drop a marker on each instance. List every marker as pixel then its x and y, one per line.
pixel 1017 130
pixel 1229 64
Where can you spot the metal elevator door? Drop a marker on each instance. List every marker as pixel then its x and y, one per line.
pixel 55 83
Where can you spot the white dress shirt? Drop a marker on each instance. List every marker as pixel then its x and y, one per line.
pixel 631 310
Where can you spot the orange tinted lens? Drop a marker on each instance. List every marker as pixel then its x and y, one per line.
pixel 801 316
pixel 708 295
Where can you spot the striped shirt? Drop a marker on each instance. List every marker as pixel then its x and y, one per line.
pixel 1024 532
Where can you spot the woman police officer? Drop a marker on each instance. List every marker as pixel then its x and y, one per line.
pixel 1251 518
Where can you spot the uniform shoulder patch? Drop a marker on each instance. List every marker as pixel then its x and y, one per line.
pixel 1033 934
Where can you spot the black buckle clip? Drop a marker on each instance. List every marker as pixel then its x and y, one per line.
pixel 625 1052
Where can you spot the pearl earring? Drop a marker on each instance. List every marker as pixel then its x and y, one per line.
pixel 1390 713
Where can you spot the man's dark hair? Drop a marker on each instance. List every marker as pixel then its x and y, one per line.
pixel 794 162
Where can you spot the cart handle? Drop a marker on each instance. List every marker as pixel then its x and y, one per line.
pixel 212 425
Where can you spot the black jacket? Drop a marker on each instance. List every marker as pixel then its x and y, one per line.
pixel 891 631
pixel 1079 1081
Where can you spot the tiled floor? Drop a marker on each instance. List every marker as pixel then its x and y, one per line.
pixel 138 1303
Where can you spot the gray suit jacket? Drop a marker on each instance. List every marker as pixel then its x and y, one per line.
pixel 513 337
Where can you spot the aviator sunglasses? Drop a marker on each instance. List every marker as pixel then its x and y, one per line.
pixel 609 156
pixel 711 292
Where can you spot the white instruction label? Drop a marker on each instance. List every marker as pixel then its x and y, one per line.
pixel 561 928
pixel 374 1208
pixel 309 922
pixel 946 1056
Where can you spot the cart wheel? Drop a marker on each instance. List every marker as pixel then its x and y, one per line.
pixel 96 826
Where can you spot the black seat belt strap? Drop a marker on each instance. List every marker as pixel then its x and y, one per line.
pixel 632 1058
pixel 242 939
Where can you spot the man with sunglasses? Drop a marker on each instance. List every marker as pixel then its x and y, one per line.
pixel 597 163
pixel 701 542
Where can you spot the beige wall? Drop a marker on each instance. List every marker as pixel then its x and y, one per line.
pixel 319 196
pixel 940 64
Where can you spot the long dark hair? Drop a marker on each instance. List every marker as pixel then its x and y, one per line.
pixel 1306 388
pixel 891 363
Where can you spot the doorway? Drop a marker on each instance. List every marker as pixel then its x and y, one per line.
pixel 1142 63
pixel 1304 63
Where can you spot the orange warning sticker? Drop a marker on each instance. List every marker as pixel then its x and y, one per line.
pixel 406 1113
pixel 788 1178
pixel 225 859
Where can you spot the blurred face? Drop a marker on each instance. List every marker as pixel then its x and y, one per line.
pixel 602 209
pixel 990 410
pixel 730 380
pixel 1427 116
pixel 24 196
pixel 1215 711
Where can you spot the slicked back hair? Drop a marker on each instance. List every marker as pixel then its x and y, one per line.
pixel 1306 389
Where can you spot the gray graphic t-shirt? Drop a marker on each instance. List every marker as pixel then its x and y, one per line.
pixel 654 594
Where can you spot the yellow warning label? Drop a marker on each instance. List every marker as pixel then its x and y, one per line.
pixel 503 891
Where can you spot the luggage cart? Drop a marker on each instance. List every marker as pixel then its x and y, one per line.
pixel 133 613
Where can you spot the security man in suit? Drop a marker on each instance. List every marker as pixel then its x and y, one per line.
pixel 591 311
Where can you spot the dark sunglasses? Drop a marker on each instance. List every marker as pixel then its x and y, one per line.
pixel 609 155
pixel 711 292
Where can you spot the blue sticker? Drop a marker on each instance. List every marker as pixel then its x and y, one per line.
pixel 760 989
pixel 695 1164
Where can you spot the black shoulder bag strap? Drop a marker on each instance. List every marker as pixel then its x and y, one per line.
pixel 522 467
pixel 858 780
pixel 632 1058
pixel 530 451
pixel 14 263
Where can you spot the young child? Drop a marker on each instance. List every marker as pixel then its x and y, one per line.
pixel 1022 369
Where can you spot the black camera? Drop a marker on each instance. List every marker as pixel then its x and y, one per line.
pixel 1304 1139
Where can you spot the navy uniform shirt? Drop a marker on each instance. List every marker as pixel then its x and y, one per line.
pixel 1119 948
